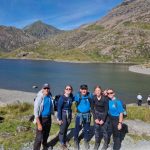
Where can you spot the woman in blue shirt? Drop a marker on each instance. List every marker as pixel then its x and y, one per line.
pixel 65 114
pixel 116 118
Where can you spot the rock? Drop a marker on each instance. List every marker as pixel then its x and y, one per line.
pixel 138 127
pixel 22 129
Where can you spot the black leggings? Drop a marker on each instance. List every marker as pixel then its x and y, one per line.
pixel 115 132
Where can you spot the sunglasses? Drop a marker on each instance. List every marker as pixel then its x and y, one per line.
pixel 46 88
pixel 110 93
pixel 68 89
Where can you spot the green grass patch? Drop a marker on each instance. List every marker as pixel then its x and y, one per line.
pixel 95 27
pixel 142 25
pixel 141 113
pixel 139 137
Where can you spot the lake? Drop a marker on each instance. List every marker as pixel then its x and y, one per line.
pixel 23 74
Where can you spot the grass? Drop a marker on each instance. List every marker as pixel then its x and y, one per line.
pixel 14 117
pixel 142 25
pixel 95 27
pixel 141 113
pixel 17 115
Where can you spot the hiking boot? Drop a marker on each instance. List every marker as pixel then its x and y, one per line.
pixel 86 145
pixel 63 147
pixel 76 145
pixel 96 146
pixel 105 146
pixel 68 144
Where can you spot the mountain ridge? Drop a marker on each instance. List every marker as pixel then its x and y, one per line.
pixel 123 35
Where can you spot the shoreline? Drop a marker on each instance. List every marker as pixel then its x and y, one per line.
pixel 141 69
pixel 69 61
pixel 14 96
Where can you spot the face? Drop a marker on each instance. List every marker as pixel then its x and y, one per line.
pixel 46 91
pixel 97 92
pixel 68 90
pixel 110 94
pixel 83 91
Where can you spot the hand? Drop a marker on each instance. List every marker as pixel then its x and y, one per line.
pixel 97 121
pixel 39 126
pixel 119 126
pixel 60 122
pixel 101 122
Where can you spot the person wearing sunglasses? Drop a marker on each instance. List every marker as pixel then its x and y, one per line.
pixel 64 115
pixel 116 118
pixel 100 115
pixel 43 109
pixel 83 117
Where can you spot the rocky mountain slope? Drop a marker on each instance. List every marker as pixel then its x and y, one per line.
pixel 41 30
pixel 121 36
pixel 12 38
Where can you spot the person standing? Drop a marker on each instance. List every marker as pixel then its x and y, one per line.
pixel 43 109
pixel 100 114
pixel 65 114
pixel 139 99
pixel 83 116
pixel 116 118
pixel 148 100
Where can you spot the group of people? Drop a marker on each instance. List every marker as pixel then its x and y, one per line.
pixel 140 99
pixel 106 109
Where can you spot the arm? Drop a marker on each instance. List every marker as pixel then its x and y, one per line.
pixel 60 105
pixel 106 110
pixel 120 115
pixel 52 106
pixel 36 112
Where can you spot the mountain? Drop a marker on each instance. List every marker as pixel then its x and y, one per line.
pixel 123 35
pixel 41 30
pixel 12 38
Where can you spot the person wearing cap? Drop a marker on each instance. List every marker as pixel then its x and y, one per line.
pixel 43 109
pixel 83 117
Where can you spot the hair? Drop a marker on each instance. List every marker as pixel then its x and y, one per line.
pixel 111 89
pixel 97 86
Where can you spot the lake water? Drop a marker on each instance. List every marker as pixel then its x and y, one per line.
pixel 23 74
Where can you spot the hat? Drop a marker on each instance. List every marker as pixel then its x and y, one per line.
pixel 84 86
pixel 46 85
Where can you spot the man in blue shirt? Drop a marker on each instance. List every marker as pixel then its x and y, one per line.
pixel 43 108
pixel 83 116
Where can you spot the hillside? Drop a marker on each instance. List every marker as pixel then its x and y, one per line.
pixel 123 35
pixel 12 38
pixel 41 30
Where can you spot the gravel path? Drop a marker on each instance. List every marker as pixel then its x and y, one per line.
pixel 11 96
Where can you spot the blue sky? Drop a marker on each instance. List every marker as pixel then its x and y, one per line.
pixel 63 14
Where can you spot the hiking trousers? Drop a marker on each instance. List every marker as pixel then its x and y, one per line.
pixel 101 132
pixel 78 127
pixel 115 132
pixel 64 127
pixel 42 136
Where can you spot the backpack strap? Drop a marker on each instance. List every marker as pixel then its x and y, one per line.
pixel 80 98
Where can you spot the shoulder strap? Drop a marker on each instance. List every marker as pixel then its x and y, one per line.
pixel 80 98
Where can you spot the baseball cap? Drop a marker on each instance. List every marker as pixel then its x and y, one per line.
pixel 84 86
pixel 46 85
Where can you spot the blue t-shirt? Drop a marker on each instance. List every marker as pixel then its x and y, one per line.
pixel 115 107
pixel 84 103
pixel 46 106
